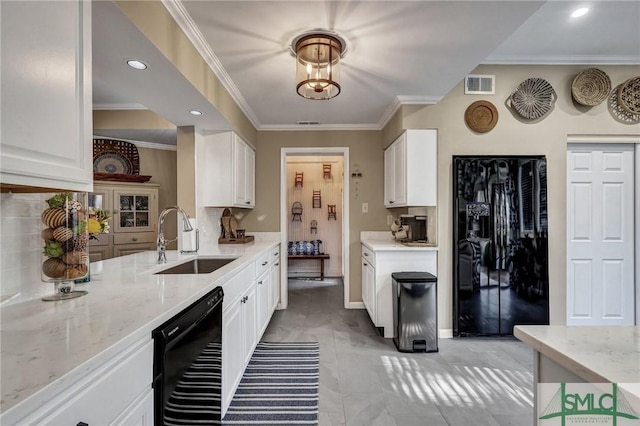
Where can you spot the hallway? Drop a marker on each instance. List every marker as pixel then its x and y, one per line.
pixel 364 380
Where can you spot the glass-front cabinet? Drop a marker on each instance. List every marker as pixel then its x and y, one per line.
pixel 135 210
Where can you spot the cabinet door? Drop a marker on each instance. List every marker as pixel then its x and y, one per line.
pixel 102 199
pixel 249 311
pixel 368 289
pixel 389 176
pixel 263 284
pixel 400 171
pixel 274 297
pixel 250 178
pixel 239 172
pixel 46 94
pixel 97 252
pixel 232 348
pixel 135 210
pixel 138 414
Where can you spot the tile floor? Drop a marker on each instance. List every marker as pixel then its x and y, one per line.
pixel 364 380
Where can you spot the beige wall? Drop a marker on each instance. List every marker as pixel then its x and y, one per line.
pixel 365 149
pixel 129 119
pixel 513 135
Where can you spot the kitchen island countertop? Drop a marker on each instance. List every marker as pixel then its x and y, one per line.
pixel 47 346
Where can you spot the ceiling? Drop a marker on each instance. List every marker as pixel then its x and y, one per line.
pixel 397 52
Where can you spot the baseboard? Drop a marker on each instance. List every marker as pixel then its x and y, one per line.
pixel 356 305
pixel 445 333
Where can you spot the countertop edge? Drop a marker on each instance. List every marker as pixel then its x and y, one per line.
pixel 390 245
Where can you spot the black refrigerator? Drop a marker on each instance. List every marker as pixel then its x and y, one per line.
pixel 500 244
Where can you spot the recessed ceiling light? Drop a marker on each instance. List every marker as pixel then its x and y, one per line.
pixel 195 112
pixel 136 64
pixel 580 12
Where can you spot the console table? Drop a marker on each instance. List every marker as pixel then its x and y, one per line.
pixel 320 257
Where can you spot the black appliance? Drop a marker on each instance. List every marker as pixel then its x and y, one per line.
pixel 187 366
pixel 500 244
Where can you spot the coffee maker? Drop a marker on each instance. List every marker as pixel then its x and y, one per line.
pixel 417 225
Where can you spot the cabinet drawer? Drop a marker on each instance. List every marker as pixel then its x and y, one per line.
pixel 100 397
pixel 262 264
pixel 237 285
pixel 275 255
pixel 143 237
pixel 369 256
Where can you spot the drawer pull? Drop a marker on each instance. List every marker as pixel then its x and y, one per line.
pixel 275 254
pixel 259 282
pixel 247 202
pixel 264 263
pixel 134 239
pixel 278 264
pixel 390 202
pixel 365 264
pixel 82 424
pixel 366 254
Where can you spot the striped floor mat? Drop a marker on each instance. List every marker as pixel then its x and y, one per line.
pixel 279 386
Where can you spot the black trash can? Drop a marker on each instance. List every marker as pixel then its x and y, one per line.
pixel 415 312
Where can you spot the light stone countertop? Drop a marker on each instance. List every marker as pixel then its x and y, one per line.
pixel 596 354
pixel 46 346
pixel 383 241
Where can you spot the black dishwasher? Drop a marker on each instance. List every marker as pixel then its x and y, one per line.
pixel 187 367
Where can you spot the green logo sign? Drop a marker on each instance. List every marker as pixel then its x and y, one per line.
pixel 582 407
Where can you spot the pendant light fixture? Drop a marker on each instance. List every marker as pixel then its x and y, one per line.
pixel 318 65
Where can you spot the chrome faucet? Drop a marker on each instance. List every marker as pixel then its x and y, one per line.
pixel 161 242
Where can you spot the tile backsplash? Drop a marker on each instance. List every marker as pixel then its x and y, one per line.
pixel 21 244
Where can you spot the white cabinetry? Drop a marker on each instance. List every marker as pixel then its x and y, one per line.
pixel 274 296
pixel 46 102
pixel 368 282
pixel 410 169
pixel 117 392
pixel 247 308
pixel 228 171
pixel 376 284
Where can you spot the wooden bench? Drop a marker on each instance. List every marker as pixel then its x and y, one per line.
pixel 320 257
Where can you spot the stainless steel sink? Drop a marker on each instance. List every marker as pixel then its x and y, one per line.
pixel 197 266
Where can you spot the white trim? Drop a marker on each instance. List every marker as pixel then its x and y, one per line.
pixel 418 100
pixel 562 60
pixel 445 333
pixel 284 153
pixel 571 139
pixel 190 29
pixel 141 144
pixel 109 107
pixel 356 305
pixel 316 127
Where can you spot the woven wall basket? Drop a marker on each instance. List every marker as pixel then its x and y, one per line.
pixel 618 112
pixel 533 98
pixel 591 87
pixel 629 95
pixel 481 116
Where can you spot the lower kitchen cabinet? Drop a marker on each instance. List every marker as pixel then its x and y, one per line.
pixel 118 391
pixel 247 307
pixel 377 267
pixel 274 282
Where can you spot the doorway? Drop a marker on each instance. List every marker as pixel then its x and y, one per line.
pixel 296 156
pixel 601 234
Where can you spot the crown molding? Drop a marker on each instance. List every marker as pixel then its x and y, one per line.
pixel 106 107
pixel 315 127
pixel 405 100
pixel 562 60
pixel 177 10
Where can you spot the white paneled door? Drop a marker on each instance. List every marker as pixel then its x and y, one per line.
pixel 600 234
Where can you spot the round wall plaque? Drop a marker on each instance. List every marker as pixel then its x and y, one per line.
pixel 481 116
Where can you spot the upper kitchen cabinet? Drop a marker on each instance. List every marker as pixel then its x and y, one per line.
pixel 229 171
pixel 410 169
pixel 46 95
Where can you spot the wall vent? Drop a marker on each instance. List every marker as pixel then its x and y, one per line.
pixel 475 84
pixel 308 123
